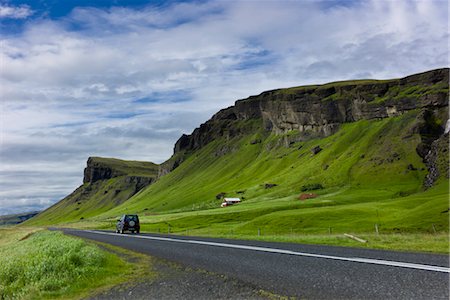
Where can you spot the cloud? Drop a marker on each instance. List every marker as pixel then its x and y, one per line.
pixel 14 12
pixel 124 82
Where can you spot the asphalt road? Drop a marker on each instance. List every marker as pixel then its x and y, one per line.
pixel 304 271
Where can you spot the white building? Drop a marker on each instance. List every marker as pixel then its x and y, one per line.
pixel 230 201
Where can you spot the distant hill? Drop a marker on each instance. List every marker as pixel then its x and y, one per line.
pixel 16 218
pixel 372 151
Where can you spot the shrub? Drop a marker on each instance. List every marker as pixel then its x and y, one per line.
pixel 311 187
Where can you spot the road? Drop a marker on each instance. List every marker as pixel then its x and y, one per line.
pixel 304 271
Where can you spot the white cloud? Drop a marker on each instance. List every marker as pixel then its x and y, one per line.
pixel 126 83
pixel 15 12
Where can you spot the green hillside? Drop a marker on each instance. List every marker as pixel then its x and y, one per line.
pixel 369 170
pixel 103 194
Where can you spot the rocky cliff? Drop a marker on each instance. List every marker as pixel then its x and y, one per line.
pixel 319 110
pixel 96 170
pixel 99 168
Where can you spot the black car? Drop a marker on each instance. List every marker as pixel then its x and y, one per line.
pixel 128 223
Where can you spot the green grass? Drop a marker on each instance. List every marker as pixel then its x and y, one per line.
pixel 11 235
pixel 397 92
pixel 43 264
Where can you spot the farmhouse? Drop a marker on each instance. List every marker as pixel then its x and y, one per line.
pixel 229 201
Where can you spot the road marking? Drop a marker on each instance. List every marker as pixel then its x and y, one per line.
pixel 289 252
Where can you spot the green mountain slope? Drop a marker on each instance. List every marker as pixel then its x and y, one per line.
pixel 371 152
pixel 107 183
pixel 370 174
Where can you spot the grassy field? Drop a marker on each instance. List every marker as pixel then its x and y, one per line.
pixel 39 264
pixel 418 222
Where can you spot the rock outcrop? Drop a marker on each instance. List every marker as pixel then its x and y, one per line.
pixel 97 170
pixel 437 160
pixel 318 111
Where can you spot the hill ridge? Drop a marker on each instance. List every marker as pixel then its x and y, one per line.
pixel 318 111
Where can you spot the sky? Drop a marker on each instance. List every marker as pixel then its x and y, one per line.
pixel 125 79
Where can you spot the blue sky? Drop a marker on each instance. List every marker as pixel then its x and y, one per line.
pixel 126 78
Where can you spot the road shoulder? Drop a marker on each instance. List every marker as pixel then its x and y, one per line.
pixel 156 278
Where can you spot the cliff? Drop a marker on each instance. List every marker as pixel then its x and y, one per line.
pixel 100 168
pixel 318 111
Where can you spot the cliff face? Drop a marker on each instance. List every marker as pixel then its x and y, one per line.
pixel 134 175
pixel 96 170
pixel 319 110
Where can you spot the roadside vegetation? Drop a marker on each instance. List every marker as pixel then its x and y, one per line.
pixel 40 264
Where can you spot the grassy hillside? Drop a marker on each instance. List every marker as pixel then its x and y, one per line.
pixel 93 198
pixel 369 170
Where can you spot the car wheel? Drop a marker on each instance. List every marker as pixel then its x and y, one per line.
pixel 132 231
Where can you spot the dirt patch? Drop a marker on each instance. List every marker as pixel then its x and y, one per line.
pixel 307 196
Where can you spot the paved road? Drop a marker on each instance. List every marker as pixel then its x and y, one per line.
pixel 305 271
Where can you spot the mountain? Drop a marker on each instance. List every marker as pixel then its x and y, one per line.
pixel 364 148
pixel 16 218
pixel 107 183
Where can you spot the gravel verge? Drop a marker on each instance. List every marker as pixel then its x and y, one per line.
pixel 175 281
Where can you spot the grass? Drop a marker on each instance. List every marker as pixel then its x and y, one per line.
pixel 397 92
pixel 418 222
pixel 39 264
pixel 12 235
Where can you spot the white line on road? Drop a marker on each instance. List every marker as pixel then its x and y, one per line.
pixel 289 252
